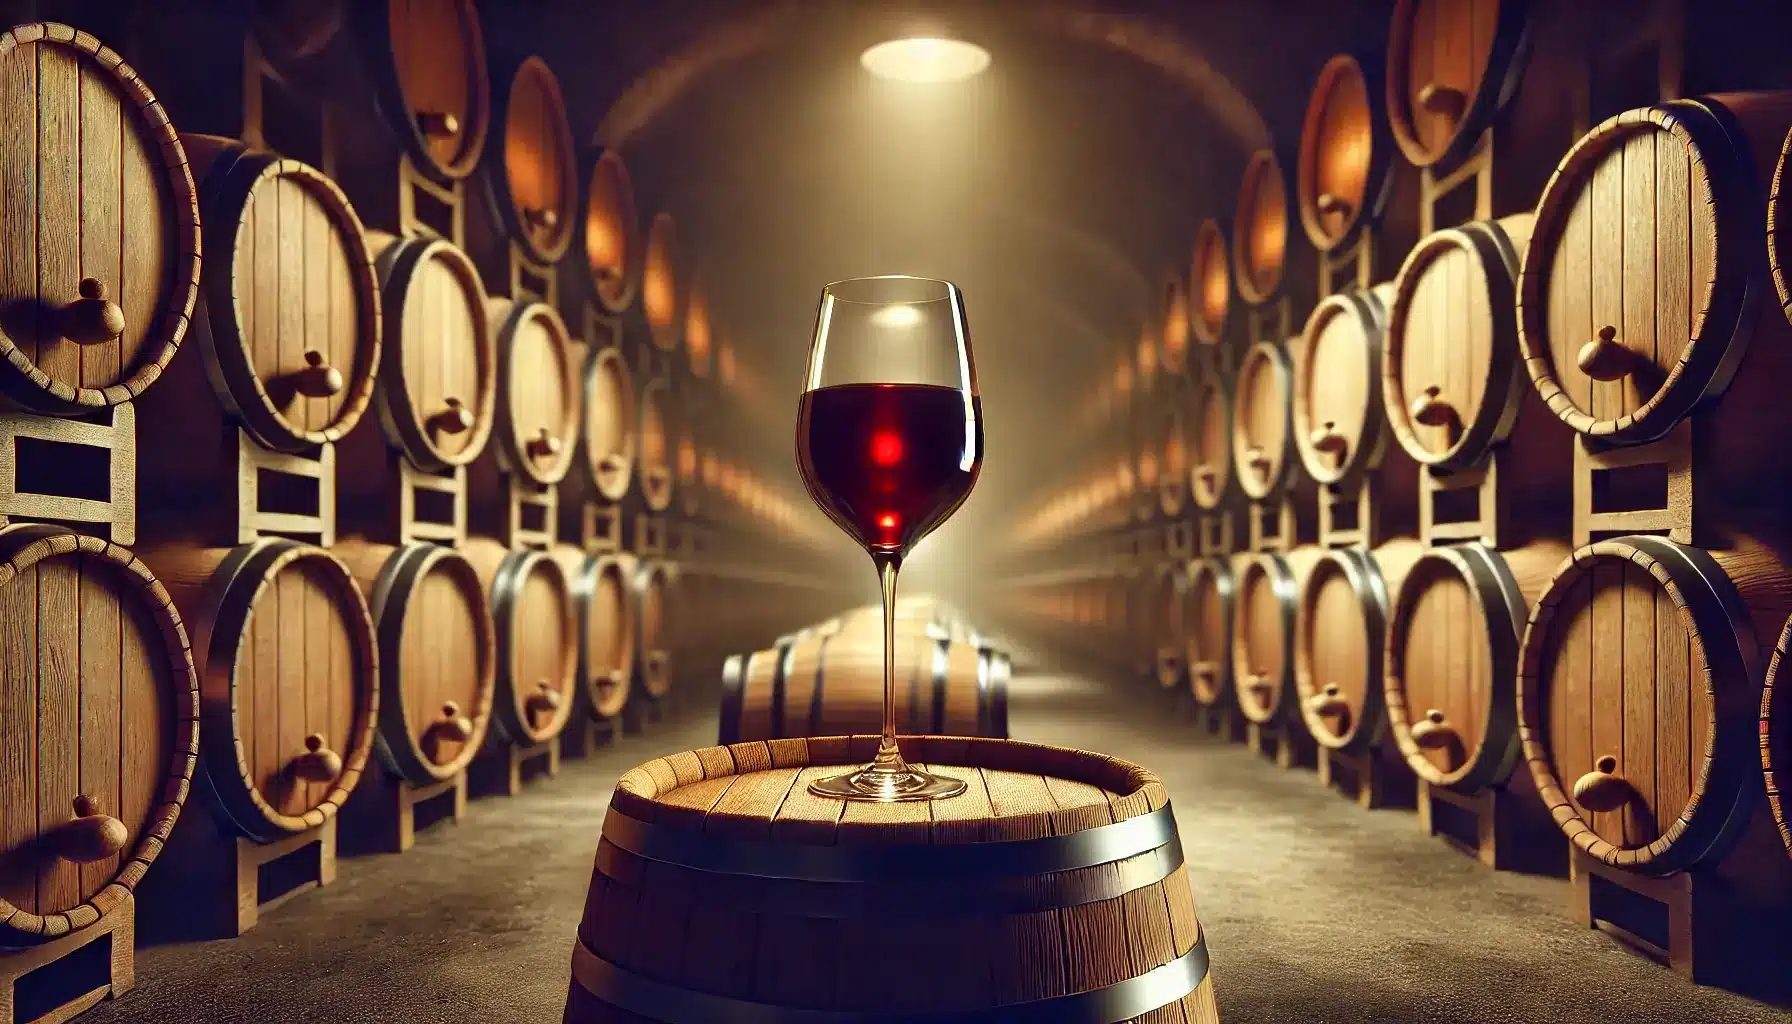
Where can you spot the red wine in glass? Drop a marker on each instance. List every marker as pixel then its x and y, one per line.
pixel 889 462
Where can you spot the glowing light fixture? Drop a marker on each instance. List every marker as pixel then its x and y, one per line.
pixel 925 59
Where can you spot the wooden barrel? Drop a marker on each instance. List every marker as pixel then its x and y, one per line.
pixel 1211 479
pixel 1000 875
pixel 1262 432
pixel 1173 483
pixel 1210 285
pixel 1451 665
pixel 1345 172
pixel 612 232
pixel 1172 624
pixel 536 632
pixel 99 713
pixel 698 341
pixel 826 682
pixel 1340 636
pixel 437 655
pixel 538 390
pixel 428 63
pixel 1451 67
pixel 686 463
pixel 603 602
pixel 610 419
pixel 1639 697
pixel 651 592
pixel 1776 737
pixel 1207 605
pixel 101 228
pixel 289 691
pixel 533 178
pixel 1265 609
pixel 1260 230
pixel 288 322
pixel 1643 296
pixel 1339 429
pixel 1174 339
pixel 663 284
pixel 655 444
pixel 1452 384
pixel 438 367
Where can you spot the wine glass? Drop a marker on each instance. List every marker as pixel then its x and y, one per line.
pixel 889 439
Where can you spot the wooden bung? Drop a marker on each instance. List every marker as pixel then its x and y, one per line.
pixel 1340 633
pixel 830 682
pixel 437 655
pixel 530 160
pixel 438 369
pixel 1210 285
pixel 1073 944
pixel 287 331
pixel 1452 660
pixel 1625 343
pixel 285 650
pixel 535 626
pixel 100 702
pixel 1639 700
pixel 663 286
pixel 1207 603
pixel 1264 617
pixel 612 233
pixel 102 231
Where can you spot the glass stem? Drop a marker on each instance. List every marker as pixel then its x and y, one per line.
pixel 889 755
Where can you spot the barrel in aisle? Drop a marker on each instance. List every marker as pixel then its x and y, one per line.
pixel 921 873
pixel 612 233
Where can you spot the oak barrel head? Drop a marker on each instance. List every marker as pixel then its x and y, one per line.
pixel 655 443
pixel 612 233
pixel 538 387
pixel 1071 952
pixel 432 87
pixel 1339 637
pixel 1173 482
pixel 652 596
pixel 101 233
pixel 1211 476
pixel 1337 422
pixel 1263 622
pixel 1639 699
pixel 1452 381
pixel 535 626
pixel 1174 341
pixel 1657 203
pixel 531 172
pixel 288 656
pixel 663 287
pixel 1345 168
pixel 99 703
pixel 607 638
pixel 1262 429
pixel 437 662
pixel 1452 64
pixel 698 341
pixel 610 421
pixel 1451 667
pixel 1171 623
pixel 438 369
pixel 1209 284
pixel 1260 230
pixel 1208 604
pixel 289 321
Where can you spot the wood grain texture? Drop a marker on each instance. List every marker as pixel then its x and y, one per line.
pixel 704 932
pixel 1260 229
pixel 612 232
pixel 539 174
pixel 1210 283
pixel 98 699
pixel 438 57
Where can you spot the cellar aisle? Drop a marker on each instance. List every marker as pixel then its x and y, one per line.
pixel 1317 913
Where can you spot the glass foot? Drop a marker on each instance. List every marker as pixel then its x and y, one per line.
pixel 886 786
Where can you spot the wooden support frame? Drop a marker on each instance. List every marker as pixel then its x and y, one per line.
pixel 1216 533
pixel 1286 746
pixel 409 526
pixel 95 979
pixel 1681 516
pixel 520 497
pixel 1368 778
pixel 1179 539
pixel 1475 170
pixel 530 280
pixel 27 496
pixel 1351 517
pixel 253 523
pixel 600 528
pixel 1270 525
pixel 1686 899
pixel 585 735
pixel 650 534
pixel 1271 322
pixel 1443 497
pixel 244 887
pixel 1221 721
pixel 1489 826
pixel 384 810
pixel 504 770
pixel 259 74
pixel 1349 267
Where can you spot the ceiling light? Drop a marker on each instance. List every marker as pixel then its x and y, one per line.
pixel 925 59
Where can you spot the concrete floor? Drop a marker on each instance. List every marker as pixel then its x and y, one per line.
pixel 1316 912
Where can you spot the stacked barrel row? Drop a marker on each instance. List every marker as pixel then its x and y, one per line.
pixel 1502 517
pixel 264 532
